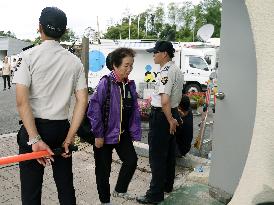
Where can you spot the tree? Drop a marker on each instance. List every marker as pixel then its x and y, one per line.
pixel 159 18
pixel 69 36
pixel 181 21
pixel 37 41
pixel 8 34
pixel 212 14
pixel 172 13
pixel 168 33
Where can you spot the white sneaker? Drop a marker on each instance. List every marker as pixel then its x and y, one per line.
pixel 123 195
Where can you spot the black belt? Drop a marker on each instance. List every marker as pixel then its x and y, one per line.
pixel 159 109
pixel 40 120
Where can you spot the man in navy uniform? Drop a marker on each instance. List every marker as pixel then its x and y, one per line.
pixel 46 77
pixel 163 122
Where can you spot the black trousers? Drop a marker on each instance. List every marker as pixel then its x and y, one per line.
pixel 103 159
pixel 53 133
pixel 161 155
pixel 6 78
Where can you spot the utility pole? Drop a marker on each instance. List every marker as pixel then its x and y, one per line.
pixel 138 25
pixel 129 23
pixel 194 24
pixel 85 55
pixel 146 25
pixel 98 30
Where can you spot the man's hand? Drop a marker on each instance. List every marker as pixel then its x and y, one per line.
pixel 99 142
pixel 68 141
pixel 173 123
pixel 39 146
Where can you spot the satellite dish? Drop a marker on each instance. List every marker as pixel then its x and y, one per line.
pixel 205 32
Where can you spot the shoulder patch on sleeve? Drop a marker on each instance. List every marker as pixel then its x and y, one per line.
pixel 164 80
pixel 166 68
pixel 18 63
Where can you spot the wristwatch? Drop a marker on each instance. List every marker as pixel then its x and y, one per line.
pixel 34 140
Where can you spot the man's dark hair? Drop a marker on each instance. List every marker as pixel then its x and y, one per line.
pixel 53 22
pixel 116 57
pixel 185 103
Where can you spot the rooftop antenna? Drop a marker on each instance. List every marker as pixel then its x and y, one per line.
pixel 205 32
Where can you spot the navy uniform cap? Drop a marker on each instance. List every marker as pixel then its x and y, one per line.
pixel 53 21
pixel 162 46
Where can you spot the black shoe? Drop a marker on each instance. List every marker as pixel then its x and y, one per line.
pixel 168 190
pixel 146 200
pixel 9 87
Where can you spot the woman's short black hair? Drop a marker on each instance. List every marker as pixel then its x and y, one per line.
pixel 185 103
pixel 116 57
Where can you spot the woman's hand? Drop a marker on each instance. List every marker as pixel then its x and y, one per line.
pixel 99 142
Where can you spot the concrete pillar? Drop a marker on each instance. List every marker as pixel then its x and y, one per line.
pixel 243 144
pixel 257 181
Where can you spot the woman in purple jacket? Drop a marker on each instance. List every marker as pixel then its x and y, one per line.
pixel 123 124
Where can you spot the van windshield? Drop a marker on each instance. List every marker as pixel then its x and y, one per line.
pixel 197 62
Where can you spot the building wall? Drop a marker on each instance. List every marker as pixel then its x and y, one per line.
pixel 11 46
pixel 15 46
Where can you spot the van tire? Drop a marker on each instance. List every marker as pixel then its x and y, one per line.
pixel 192 87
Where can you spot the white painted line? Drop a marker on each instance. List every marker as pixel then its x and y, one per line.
pixel 8 135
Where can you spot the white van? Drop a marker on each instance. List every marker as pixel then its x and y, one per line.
pixel 191 61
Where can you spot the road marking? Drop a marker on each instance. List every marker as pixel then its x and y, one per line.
pixel 14 134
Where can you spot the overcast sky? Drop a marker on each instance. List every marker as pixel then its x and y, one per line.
pixel 21 16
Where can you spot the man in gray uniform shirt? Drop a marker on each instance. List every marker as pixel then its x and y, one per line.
pixel 46 76
pixel 163 122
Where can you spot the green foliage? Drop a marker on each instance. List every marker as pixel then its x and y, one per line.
pixel 69 36
pixel 179 22
pixel 8 34
pixel 37 41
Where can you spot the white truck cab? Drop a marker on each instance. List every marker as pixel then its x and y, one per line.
pixel 191 61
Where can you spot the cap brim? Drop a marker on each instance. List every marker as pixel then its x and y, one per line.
pixel 151 50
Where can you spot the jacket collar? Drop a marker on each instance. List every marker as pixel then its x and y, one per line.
pixel 116 77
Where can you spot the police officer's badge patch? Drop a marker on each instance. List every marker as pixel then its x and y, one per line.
pixel 164 80
pixel 18 64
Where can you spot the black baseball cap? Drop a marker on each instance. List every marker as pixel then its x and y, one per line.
pixel 53 21
pixel 163 46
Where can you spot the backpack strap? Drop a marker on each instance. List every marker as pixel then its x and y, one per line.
pixel 106 106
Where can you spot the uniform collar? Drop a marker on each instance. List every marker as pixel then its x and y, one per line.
pixel 167 65
pixel 50 42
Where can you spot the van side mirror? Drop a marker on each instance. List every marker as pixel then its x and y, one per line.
pixel 216 65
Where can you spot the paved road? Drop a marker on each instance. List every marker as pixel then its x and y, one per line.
pixel 8 114
pixel 84 178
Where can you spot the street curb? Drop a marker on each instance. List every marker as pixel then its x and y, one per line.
pixel 189 161
pixel 142 149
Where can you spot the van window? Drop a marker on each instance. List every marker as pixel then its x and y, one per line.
pixel 197 62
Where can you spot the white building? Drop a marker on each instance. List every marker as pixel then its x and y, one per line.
pixel 11 46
